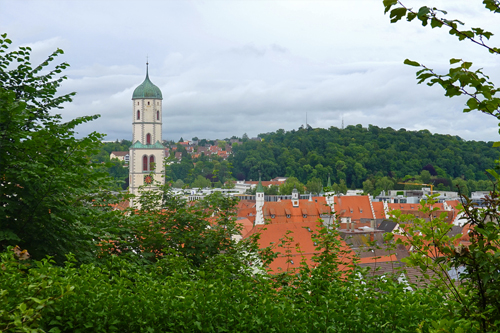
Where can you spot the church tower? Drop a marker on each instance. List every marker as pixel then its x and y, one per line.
pixel 147 152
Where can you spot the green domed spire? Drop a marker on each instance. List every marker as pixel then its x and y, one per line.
pixel 260 188
pixel 147 89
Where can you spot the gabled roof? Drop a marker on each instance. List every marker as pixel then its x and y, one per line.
pixel 387 226
pixel 354 206
pixel 119 153
pixel 277 212
pixel 378 208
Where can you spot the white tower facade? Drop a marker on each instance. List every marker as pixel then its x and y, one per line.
pixel 259 204
pixel 147 152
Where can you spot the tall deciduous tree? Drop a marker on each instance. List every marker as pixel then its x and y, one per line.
pixel 50 196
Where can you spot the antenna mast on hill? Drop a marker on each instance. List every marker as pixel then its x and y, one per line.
pixel 306 119
pixel 342 121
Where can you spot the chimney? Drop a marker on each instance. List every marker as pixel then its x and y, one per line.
pixel 352 225
pixel 347 223
pixel 372 224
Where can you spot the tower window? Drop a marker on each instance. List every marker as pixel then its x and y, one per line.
pixel 144 163
pixel 138 115
pixel 157 115
pixel 151 162
pixel 137 103
pixel 148 139
pixel 148 103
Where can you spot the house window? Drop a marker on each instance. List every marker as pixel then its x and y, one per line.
pixel 144 163
pixel 138 115
pixel 148 139
pixel 157 115
pixel 151 162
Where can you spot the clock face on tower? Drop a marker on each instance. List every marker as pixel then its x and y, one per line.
pixel 148 179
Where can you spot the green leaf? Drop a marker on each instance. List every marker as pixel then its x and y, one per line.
pixel 397 14
pixel 472 103
pixel 411 63
pixel 388 4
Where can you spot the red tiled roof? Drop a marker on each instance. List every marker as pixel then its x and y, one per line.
pixel 300 247
pixel 246 225
pixel 378 207
pixel 119 153
pixel 246 208
pixel 284 212
pixel 354 206
pixel 413 209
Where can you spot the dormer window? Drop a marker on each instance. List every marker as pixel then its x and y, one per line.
pixel 273 216
pixel 288 216
pixel 304 216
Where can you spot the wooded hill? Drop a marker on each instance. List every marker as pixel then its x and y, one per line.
pixel 356 153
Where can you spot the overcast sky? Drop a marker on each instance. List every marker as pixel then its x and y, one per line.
pixel 253 66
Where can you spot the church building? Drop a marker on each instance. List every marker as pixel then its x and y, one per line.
pixel 146 166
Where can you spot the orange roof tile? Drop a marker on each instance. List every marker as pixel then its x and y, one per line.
pixel 378 207
pixel 300 247
pixel 284 212
pixel 354 206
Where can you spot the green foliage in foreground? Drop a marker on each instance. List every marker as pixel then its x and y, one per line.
pixel 120 295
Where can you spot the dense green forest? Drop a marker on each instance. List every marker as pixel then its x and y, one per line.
pixel 356 154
